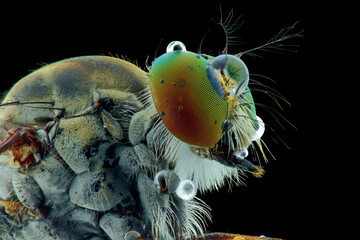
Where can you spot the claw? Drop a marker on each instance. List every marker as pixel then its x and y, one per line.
pixel 16 209
pixel 11 207
pixel 22 144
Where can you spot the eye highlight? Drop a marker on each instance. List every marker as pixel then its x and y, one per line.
pixel 229 70
pixel 174 46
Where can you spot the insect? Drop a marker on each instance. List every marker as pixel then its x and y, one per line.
pixel 94 147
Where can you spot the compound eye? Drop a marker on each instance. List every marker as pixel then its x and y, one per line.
pixel 233 72
pixel 185 99
pixel 174 46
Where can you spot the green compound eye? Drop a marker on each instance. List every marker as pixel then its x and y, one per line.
pixel 197 97
pixel 190 107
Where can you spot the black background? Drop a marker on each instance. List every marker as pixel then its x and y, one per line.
pixel 274 205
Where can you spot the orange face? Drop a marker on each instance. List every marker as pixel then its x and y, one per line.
pixel 190 107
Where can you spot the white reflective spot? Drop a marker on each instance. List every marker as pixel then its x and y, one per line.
pixel 175 45
pixel 242 154
pixel 157 181
pixel 132 235
pixel 42 136
pixel 166 181
pixel 186 190
pixel 260 131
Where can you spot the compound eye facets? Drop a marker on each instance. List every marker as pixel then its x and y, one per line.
pixel 186 102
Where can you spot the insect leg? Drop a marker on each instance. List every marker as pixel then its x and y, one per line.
pixel 24 147
pixel 155 206
pixel 13 137
pixel 140 124
pixel 27 191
